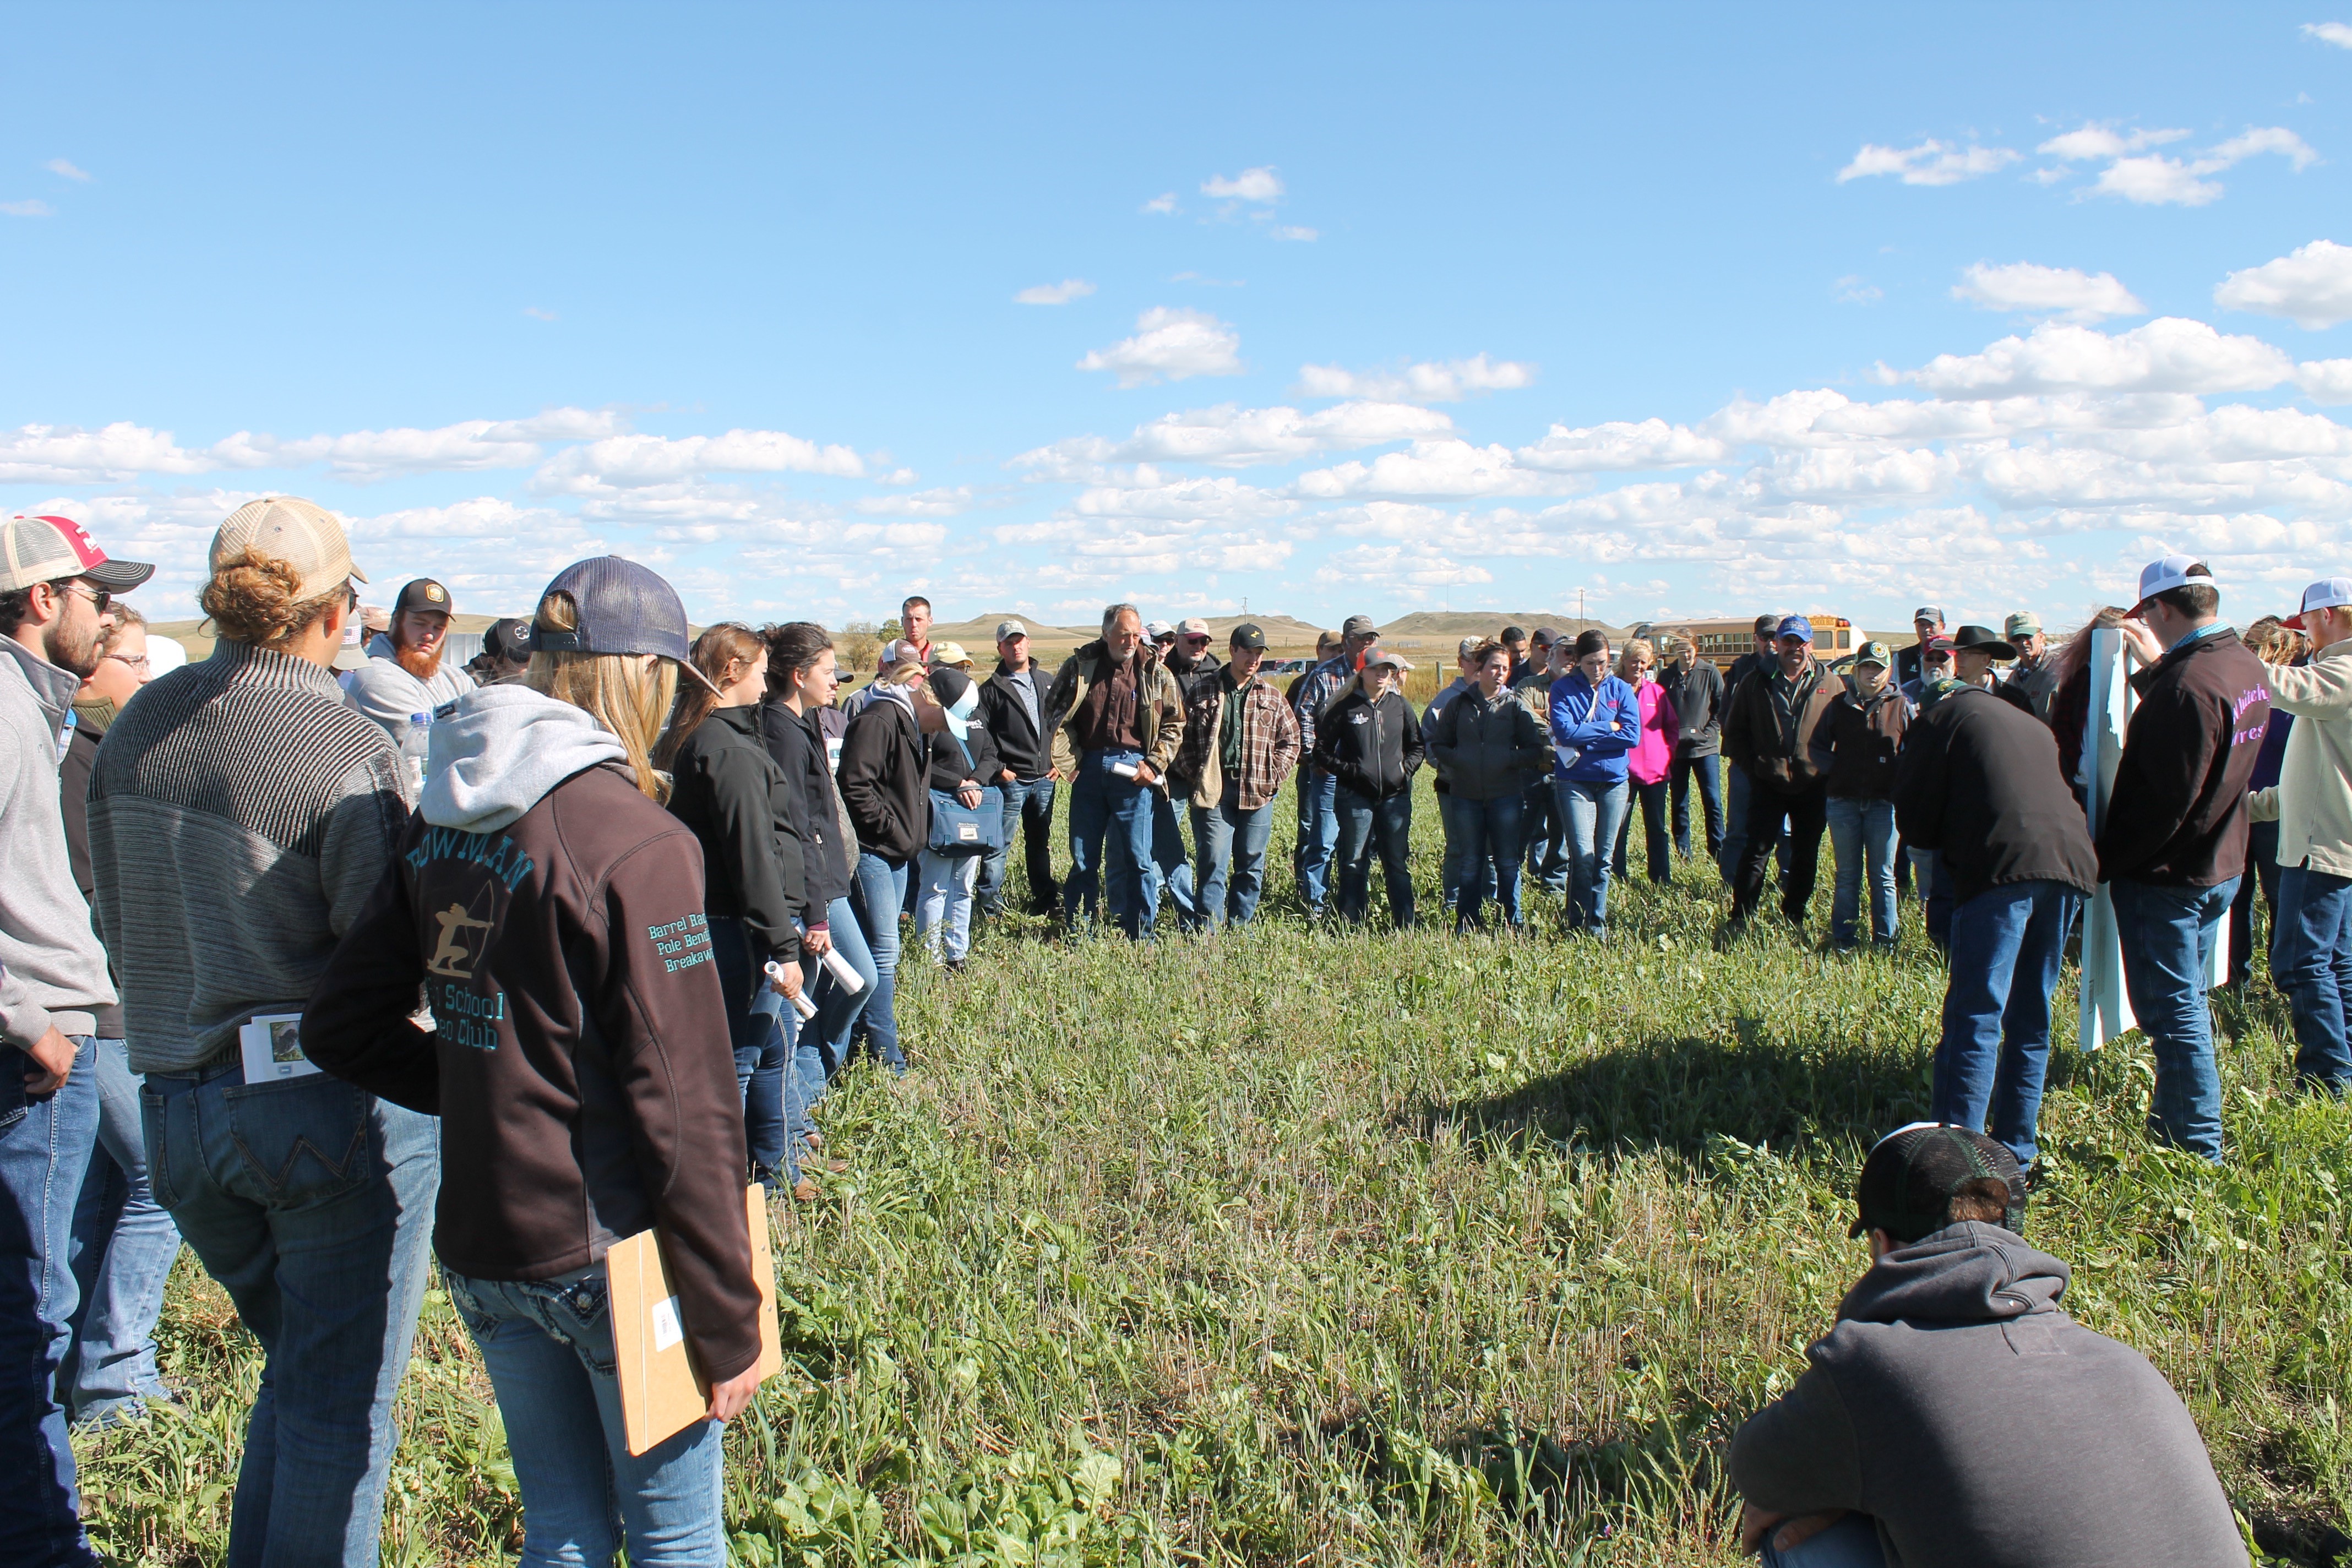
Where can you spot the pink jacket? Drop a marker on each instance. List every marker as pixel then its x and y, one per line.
pixel 1662 727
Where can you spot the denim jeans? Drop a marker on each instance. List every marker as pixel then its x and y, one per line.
pixel 2262 877
pixel 2008 943
pixel 1794 822
pixel 2311 959
pixel 311 1202
pixel 1651 798
pixel 1862 832
pixel 773 1117
pixel 878 893
pixel 1171 864
pixel 1450 867
pixel 1231 844
pixel 1110 847
pixel 1367 825
pixel 45 1148
pixel 1589 812
pixel 1319 836
pixel 123 1245
pixel 2167 936
pixel 823 1045
pixel 1490 859
pixel 1029 807
pixel 943 902
pixel 1851 1542
pixel 1709 771
pixel 1545 839
pixel 548 1345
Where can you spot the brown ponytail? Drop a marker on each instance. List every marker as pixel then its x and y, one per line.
pixel 723 652
pixel 251 599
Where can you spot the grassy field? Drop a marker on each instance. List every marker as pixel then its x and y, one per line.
pixel 1295 1248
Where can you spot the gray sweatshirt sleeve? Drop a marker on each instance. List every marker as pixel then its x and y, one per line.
pixel 1796 1455
pixel 23 1020
pixel 362 830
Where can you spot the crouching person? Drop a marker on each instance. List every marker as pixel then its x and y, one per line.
pixel 1956 1416
pixel 554 913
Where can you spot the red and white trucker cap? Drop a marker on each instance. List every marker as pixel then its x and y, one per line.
pixel 2328 594
pixel 52 548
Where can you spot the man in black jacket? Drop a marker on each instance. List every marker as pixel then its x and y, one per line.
pixel 2172 836
pixel 1763 656
pixel 1012 706
pixel 1696 687
pixel 1927 620
pixel 1979 783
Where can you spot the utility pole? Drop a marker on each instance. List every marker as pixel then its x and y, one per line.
pixel 1579 612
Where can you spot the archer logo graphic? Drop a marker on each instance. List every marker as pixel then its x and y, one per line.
pixel 462 940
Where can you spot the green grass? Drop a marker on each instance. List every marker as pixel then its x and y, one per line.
pixel 1291 1248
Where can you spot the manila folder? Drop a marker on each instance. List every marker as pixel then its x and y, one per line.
pixel 662 1391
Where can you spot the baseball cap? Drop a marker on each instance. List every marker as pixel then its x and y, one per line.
pixel 1010 629
pixel 1874 652
pixel 1929 614
pixel 1934 645
pixel 1155 630
pixel 302 533
pixel 948 655
pixel 352 654
pixel 1192 626
pixel 1358 627
pixel 1545 636
pixel 2172 572
pixel 1247 635
pixel 2327 594
pixel 423 593
pixel 2021 624
pixel 1770 624
pixel 623 608
pixel 1466 646
pixel 1909 1176
pixel 509 638
pixel 1794 627
pixel 51 549
pixel 1373 656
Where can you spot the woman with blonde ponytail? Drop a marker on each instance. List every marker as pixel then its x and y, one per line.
pixel 554 915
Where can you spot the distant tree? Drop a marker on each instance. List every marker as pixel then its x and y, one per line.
pixel 890 630
pixel 859 646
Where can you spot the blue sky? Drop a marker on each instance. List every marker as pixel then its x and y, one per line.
pixel 1700 309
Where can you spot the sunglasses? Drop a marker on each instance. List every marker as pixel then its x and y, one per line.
pixel 101 599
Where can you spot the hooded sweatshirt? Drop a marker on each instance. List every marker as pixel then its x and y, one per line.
pixel 1982 1428
pixel 388 694
pixel 744 813
pixel 579 1064
pixel 52 969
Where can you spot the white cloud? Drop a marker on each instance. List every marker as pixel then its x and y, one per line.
pixel 1415 564
pixel 628 462
pixel 1444 467
pixel 26 209
pixel 1162 204
pixel 1931 162
pixel 2325 381
pixel 65 168
pixel 2311 288
pixel 1170 344
pixel 1258 184
pixel 2169 354
pixel 536 314
pixel 1651 443
pixel 1229 436
pixel 1294 231
pixel 2157 180
pixel 1855 289
pixel 1061 293
pixel 2061 291
pixel 1447 381
pixel 2096 141
pixel 2336 32
pixel 51 454
pixel 941 502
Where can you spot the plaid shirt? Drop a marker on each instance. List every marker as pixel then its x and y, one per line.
pixel 1269 745
pixel 1314 695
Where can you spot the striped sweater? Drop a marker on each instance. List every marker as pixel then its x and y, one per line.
pixel 240 815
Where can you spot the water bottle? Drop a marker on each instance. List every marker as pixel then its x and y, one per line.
pixel 414 748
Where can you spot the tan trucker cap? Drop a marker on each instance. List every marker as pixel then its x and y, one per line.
pixel 303 534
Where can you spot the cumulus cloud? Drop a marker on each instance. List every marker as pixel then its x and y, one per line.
pixel 1170 344
pixel 1061 293
pixel 2153 180
pixel 1447 381
pixel 944 501
pixel 2336 32
pixel 2311 288
pixel 1259 184
pixel 1651 443
pixel 1294 231
pixel 1163 204
pixel 628 462
pixel 2061 291
pixel 2096 141
pixel 65 169
pixel 2170 353
pixel 1440 467
pixel 1229 436
pixel 1412 564
pixel 1931 162
pixel 28 209
pixel 2325 381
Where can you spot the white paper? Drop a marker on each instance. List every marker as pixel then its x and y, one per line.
pixel 844 974
pixel 667 1331
pixel 271 1046
pixel 1568 756
pixel 1124 769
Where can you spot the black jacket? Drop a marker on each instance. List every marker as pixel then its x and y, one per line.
pixel 828 859
pixel 1771 738
pixel 949 769
pixel 1021 742
pixel 1856 745
pixel 1978 781
pixel 885 780
pixel 2177 816
pixel 1371 748
pixel 742 811
pixel 1697 695
pixel 1488 749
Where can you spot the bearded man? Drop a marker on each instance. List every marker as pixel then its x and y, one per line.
pixel 403 675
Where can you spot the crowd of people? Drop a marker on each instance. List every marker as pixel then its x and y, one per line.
pixel 517 907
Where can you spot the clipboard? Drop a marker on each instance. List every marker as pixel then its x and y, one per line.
pixel 662 1391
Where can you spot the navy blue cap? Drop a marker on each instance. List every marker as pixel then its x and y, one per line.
pixel 623 608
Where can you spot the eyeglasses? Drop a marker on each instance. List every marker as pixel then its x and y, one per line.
pixel 138 663
pixel 101 599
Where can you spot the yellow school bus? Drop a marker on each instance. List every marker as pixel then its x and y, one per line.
pixel 1721 642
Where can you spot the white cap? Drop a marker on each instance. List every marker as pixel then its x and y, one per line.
pixel 2328 594
pixel 1155 630
pixel 1007 630
pixel 1192 626
pixel 2172 572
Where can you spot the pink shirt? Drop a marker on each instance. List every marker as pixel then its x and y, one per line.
pixel 1662 727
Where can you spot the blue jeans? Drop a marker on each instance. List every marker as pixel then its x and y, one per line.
pixel 1589 812
pixel 1658 858
pixel 1851 1542
pixel 1110 847
pixel 2167 935
pixel 1450 868
pixel 1231 844
pixel 44 1147
pixel 123 1243
pixel 1319 835
pixel 2007 946
pixel 878 893
pixel 1172 866
pixel 1545 839
pixel 1862 832
pixel 2311 959
pixel 311 1202
pixel 943 902
pixel 1490 858
pixel 548 1344
pixel 824 1046
pixel 1367 825
pixel 2261 875
pixel 1028 806
pixel 1708 770
pixel 763 1050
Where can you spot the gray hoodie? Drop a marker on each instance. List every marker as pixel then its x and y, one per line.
pixel 1982 1428
pixel 52 970
pixel 500 749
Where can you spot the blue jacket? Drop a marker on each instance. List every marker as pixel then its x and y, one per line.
pixel 1604 722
